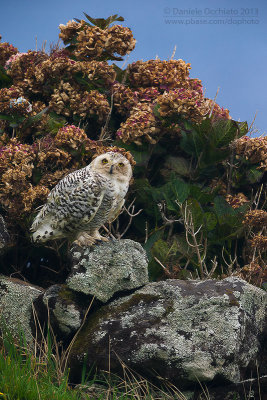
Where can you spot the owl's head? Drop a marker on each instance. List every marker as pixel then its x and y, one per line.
pixel 114 165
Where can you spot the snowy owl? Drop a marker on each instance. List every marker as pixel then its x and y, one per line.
pixel 85 200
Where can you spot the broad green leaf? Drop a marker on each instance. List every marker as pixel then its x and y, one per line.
pixel 203 195
pixel 210 221
pixel 5 79
pixel 32 120
pixel 225 131
pixel 226 214
pixel 103 23
pixel 160 250
pixel 156 111
pixel 196 212
pixel 141 154
pixel 120 73
pixel 180 190
pixel 6 117
pixel 243 128
pixel 182 245
pixel 254 175
pixel 151 241
pixel 92 20
pixel 178 165
pixel 222 208
pixel 192 143
pixel 108 56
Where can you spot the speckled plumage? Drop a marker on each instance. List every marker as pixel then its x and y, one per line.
pixel 84 200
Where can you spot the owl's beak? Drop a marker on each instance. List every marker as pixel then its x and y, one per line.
pixel 111 169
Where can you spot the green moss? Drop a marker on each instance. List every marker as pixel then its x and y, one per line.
pixel 232 299
pixel 135 299
pixel 67 295
pixel 169 308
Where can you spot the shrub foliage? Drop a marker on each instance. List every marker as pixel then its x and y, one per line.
pixel 199 179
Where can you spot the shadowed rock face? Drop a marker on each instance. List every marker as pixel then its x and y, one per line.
pixel 184 331
pixel 4 235
pixel 108 268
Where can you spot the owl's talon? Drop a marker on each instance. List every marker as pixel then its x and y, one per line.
pixel 85 240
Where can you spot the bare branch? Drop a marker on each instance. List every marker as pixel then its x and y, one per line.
pixel 162 266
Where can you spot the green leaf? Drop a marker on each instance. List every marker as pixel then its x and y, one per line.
pixel 224 132
pixel 227 215
pixel 151 241
pixel 254 175
pixel 203 195
pixel 120 73
pixel 6 117
pixel 160 250
pixel 32 120
pixel 92 20
pixel 178 165
pixel 141 154
pixel 222 208
pixel 182 245
pixel 88 85
pixel 243 128
pixel 180 189
pixel 55 122
pixel 192 143
pixel 5 79
pixel 103 23
pixel 210 221
pixel 156 111
pixel 108 56
pixel 197 213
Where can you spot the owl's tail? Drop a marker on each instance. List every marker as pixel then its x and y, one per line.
pixel 44 233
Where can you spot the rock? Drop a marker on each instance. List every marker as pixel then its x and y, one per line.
pixel 254 389
pixel 183 331
pixel 16 307
pixel 4 235
pixel 66 310
pixel 93 391
pixel 108 268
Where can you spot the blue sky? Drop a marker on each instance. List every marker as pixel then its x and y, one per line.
pixel 224 40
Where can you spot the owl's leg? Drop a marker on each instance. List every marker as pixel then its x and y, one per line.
pixel 85 240
pixel 97 236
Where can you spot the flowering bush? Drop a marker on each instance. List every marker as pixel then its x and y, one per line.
pixel 199 179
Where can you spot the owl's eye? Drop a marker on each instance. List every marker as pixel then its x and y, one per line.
pixel 121 164
pixel 104 161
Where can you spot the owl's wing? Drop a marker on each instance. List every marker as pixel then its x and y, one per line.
pixel 116 212
pixel 74 201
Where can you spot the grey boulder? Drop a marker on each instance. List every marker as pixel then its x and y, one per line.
pixel 64 308
pixel 108 268
pixel 183 331
pixel 16 307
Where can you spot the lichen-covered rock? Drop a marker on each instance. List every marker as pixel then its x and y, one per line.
pixel 65 309
pixel 16 307
pixel 108 268
pixel 184 331
pixel 4 235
